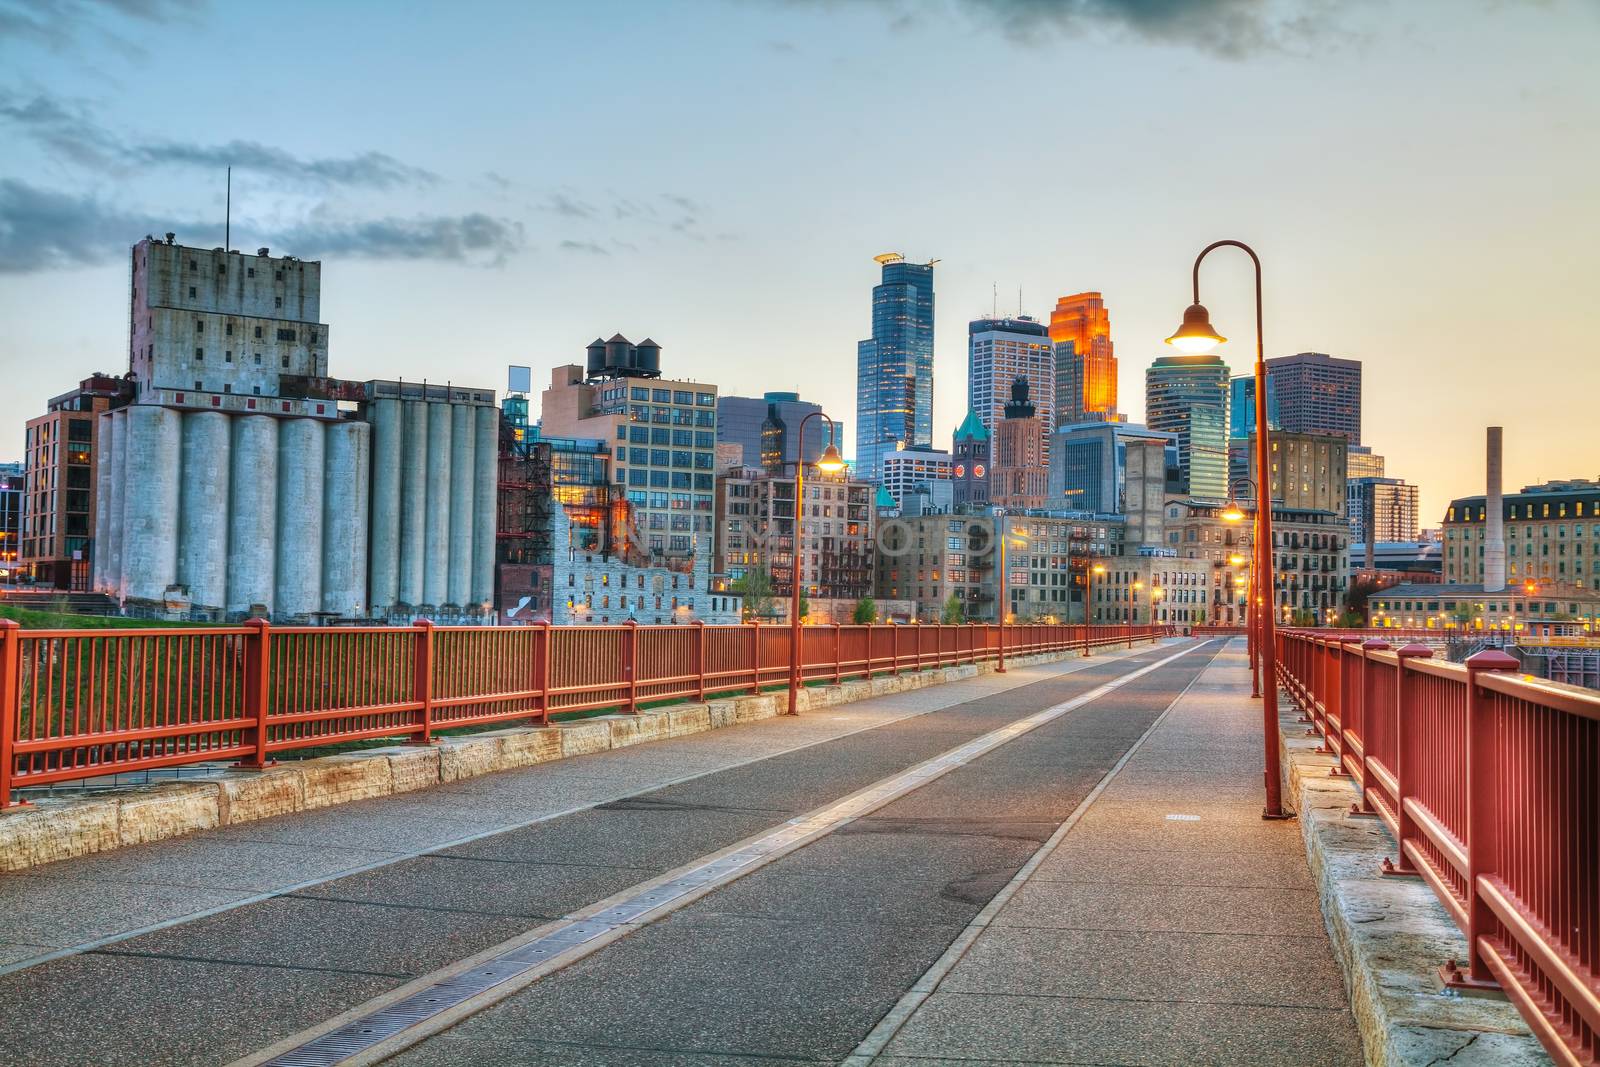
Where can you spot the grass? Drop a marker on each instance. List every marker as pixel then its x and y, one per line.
pixel 34 619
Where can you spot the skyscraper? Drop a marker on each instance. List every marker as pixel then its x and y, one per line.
pixel 766 428
pixel 1241 424
pixel 1086 369
pixel 1317 393
pixel 1021 478
pixel 894 368
pixel 999 351
pixel 1187 396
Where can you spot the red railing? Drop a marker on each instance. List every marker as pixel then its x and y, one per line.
pixel 1490 784
pixel 77 704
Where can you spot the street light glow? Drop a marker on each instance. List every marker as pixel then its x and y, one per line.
pixel 1196 337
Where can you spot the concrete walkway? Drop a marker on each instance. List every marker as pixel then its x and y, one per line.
pixel 1169 925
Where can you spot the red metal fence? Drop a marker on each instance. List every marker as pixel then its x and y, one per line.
pixel 82 703
pixel 1490 784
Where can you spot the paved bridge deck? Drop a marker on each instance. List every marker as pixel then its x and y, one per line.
pixel 814 874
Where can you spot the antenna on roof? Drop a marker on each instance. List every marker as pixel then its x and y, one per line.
pixel 994 300
pixel 227 217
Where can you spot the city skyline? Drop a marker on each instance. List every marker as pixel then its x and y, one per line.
pixel 527 251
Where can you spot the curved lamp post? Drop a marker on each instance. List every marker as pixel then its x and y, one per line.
pixel 1196 336
pixel 1089 572
pixel 829 462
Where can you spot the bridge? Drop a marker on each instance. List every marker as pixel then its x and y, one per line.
pixel 1060 862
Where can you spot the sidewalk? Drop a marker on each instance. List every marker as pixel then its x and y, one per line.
pixel 1170 925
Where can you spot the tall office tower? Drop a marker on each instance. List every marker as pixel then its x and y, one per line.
pixel 894 368
pixel 766 429
pixel 1387 506
pixel 999 351
pixel 970 475
pixel 1086 369
pixel 1241 424
pixel 1363 463
pixel 1187 396
pixel 1021 479
pixel 1317 393
pixel 1116 468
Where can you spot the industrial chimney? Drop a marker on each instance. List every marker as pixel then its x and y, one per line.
pixel 1494 523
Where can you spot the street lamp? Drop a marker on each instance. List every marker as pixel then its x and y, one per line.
pixel 1232 514
pixel 1196 335
pixel 1003 585
pixel 1133 608
pixel 1156 593
pixel 830 463
pixel 1088 598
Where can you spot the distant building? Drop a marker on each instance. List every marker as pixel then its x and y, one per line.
pixel 1021 477
pixel 1561 609
pixel 999 351
pixel 56 529
pixel 1308 471
pixel 766 429
pixel 755 528
pixel 1153 589
pixel 1085 364
pixel 1317 393
pixel 12 481
pixel 1112 467
pixel 1241 424
pixel 1384 509
pixel 1362 462
pixel 905 469
pixel 1196 530
pixel 1187 396
pixel 894 368
pixel 664 433
pixel 970 472
pixel 1552 534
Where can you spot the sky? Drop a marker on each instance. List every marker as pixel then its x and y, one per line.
pixel 499 183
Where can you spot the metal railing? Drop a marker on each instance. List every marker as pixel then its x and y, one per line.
pixel 78 704
pixel 1490 785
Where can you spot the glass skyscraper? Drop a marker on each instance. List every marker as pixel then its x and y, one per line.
pixel 894 369
pixel 999 351
pixel 1187 396
pixel 1242 406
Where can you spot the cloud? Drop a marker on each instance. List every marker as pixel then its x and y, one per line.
pixel 68 130
pixel 562 204
pixel 587 247
pixel 57 24
pixel 42 230
pixel 1228 28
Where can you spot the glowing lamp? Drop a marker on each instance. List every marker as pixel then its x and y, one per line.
pixel 1196 337
pixel 830 460
pixel 1232 514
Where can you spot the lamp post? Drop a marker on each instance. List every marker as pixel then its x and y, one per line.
pixel 1133 607
pixel 1156 593
pixel 829 462
pixel 1002 585
pixel 1196 336
pixel 1088 598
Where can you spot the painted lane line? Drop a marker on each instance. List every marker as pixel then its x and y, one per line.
pixel 1073 667
pixel 872 1046
pixel 397 1020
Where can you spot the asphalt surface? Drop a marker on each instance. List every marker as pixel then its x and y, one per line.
pixel 794 963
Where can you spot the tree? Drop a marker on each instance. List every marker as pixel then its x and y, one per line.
pixel 805 607
pixel 1356 597
pixel 955 612
pixel 866 612
pixel 755 585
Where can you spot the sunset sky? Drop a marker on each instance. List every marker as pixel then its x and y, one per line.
pixel 499 183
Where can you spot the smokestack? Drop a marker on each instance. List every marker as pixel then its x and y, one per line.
pixel 1494 528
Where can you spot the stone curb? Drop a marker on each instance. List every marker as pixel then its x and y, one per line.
pixel 54 829
pixel 1390 934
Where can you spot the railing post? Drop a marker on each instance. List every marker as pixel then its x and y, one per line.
pixel 699 641
pixel 257 682
pixel 422 685
pixel 1483 823
pixel 1405 759
pixel 542 669
pixel 630 660
pixel 838 664
pixel 10 703
pixel 1000 668
pixel 1364 719
pixel 755 655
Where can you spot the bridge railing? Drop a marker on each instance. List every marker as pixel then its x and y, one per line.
pixel 1490 785
pixel 78 704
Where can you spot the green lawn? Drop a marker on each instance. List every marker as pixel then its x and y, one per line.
pixel 33 619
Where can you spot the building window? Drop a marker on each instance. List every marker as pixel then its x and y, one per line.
pixel 258 331
pixel 191 292
pixel 250 272
pixel 199 353
pixel 277 301
pixel 199 326
pixel 227 357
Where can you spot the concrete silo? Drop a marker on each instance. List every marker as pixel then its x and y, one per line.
pixel 203 510
pixel 297 588
pixel 387 418
pixel 253 514
pixel 463 469
pixel 345 518
pixel 413 501
pixel 486 479
pixel 436 532
pixel 150 509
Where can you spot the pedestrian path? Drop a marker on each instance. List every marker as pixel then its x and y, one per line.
pixel 1167 924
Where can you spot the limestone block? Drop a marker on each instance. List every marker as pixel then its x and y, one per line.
pixel 750 709
pixel 584 736
pixel 468 757
pixel 722 713
pixel 855 689
pixel 415 767
pixel 634 729
pixel 340 779
pixel 56 830
pixel 245 796
pixel 888 683
pixel 159 812
pixel 688 719
pixel 529 745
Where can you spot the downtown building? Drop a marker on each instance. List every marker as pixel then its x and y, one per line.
pixel 894 367
pixel 1021 476
pixel 1187 396
pixel 12 480
pixel 1241 425
pixel 766 429
pixel 1085 362
pixel 970 469
pixel 1115 468
pixel 1318 394
pixel 1308 471
pixel 908 472
pixel 239 479
pixel 53 537
pixel 663 434
pixel 1000 351
pixel 1382 510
